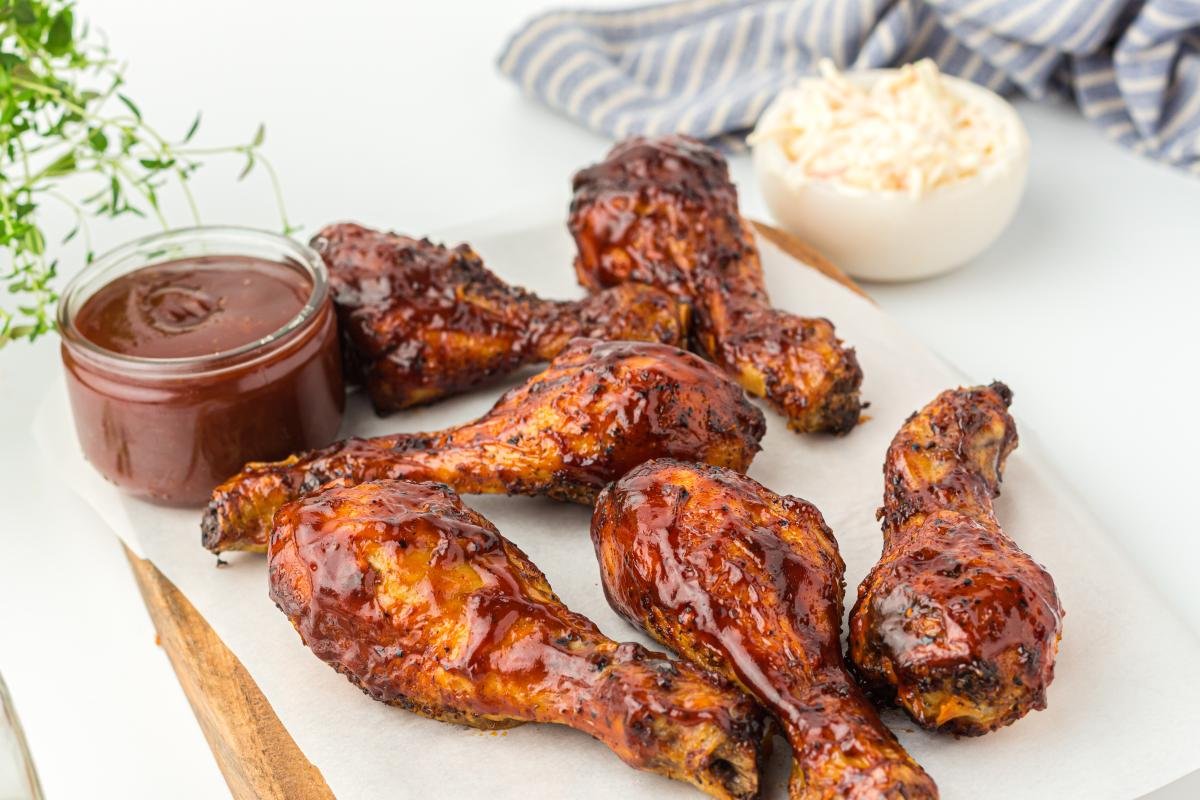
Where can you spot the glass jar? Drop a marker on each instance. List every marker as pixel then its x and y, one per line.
pixel 18 778
pixel 169 429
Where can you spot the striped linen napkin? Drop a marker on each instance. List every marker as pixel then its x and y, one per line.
pixel 709 67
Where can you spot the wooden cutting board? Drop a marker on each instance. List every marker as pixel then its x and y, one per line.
pixel 255 753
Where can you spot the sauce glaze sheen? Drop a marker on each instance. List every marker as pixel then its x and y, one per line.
pixel 663 211
pixel 422 603
pixel 955 622
pixel 421 321
pixel 748 583
pixel 598 410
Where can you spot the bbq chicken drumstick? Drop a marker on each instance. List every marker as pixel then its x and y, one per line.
pixel 420 321
pixel 420 602
pixel 955 622
pixel 748 583
pixel 664 212
pixel 599 409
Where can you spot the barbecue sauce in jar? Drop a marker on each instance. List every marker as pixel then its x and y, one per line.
pixel 197 306
pixel 191 353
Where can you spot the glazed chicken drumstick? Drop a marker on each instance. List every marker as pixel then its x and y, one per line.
pixel 599 409
pixel 748 583
pixel 420 602
pixel 420 321
pixel 955 622
pixel 664 212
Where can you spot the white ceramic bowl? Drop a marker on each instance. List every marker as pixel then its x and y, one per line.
pixel 892 236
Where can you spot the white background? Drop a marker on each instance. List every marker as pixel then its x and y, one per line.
pixel 392 114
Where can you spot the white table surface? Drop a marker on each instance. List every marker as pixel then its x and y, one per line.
pixel 392 114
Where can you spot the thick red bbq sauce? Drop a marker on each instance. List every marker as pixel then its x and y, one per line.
pixel 180 372
pixel 193 307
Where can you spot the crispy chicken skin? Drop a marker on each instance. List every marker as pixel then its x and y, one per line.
pixel 664 212
pixel 955 622
pixel 421 321
pixel 748 583
pixel 421 603
pixel 599 409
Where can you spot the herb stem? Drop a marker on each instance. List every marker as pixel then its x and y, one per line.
pixel 149 196
pixel 277 188
pixel 80 218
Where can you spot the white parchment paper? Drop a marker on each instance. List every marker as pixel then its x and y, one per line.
pixel 1124 709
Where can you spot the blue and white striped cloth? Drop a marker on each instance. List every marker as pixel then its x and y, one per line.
pixel 709 67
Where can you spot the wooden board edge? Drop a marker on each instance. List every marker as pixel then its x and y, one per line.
pixel 255 753
pixel 807 254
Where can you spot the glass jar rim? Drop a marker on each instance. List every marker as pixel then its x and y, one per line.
pixel 79 289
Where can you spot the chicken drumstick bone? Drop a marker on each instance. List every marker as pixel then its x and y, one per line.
pixel 421 321
pixel 748 583
pixel 599 409
pixel 664 212
pixel 955 622
pixel 420 602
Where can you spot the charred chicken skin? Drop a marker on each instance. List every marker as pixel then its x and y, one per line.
pixel 664 212
pixel 421 321
pixel 955 622
pixel 599 409
pixel 748 583
pixel 420 602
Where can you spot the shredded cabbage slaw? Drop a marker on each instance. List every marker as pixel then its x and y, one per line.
pixel 906 132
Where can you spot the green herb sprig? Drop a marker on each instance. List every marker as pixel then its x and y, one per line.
pixel 63 114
